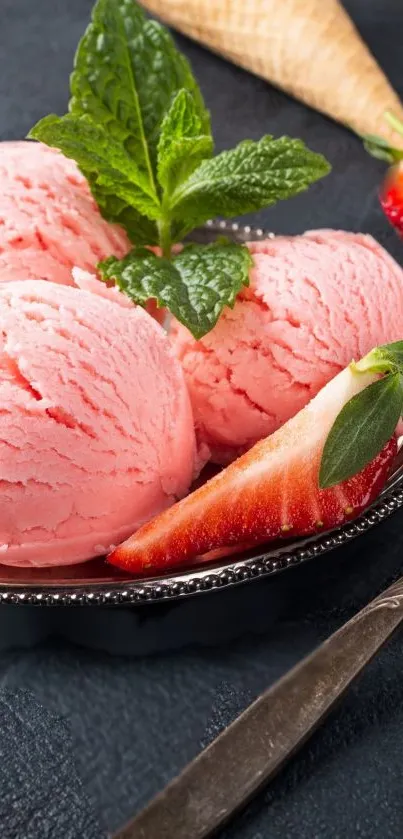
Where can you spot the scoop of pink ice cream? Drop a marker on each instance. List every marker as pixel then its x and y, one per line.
pixel 49 221
pixel 96 428
pixel 314 302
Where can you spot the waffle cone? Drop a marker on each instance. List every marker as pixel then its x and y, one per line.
pixel 309 48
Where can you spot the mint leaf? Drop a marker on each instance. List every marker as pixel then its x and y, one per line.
pixel 213 276
pixel 141 275
pixel 126 72
pixel 195 287
pixel 108 167
pixel 247 178
pixel 183 144
pixel 361 430
pixel 140 229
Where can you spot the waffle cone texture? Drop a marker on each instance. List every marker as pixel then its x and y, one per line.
pixel 308 48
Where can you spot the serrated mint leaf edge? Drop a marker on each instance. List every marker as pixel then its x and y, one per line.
pixel 150 39
pixel 199 324
pixel 119 270
pixel 97 24
pixel 70 134
pixel 233 249
pixel 192 145
pixel 209 184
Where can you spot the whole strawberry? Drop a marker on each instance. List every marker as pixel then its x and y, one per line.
pixel 391 193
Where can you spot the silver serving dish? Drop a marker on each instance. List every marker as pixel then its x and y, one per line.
pixel 96 583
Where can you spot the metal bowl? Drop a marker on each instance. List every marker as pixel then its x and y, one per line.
pixel 96 583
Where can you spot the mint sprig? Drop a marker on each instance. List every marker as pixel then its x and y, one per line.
pixel 140 132
pixel 195 286
pixel 368 420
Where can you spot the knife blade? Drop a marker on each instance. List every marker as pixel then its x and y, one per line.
pixel 247 754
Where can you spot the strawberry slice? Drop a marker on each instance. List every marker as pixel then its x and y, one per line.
pixel 270 492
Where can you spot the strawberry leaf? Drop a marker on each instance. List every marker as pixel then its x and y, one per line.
pixel 361 430
pixel 379 147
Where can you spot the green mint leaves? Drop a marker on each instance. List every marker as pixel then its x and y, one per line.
pixel 126 72
pixel 183 143
pixel 195 286
pixel 368 420
pixel 139 131
pixel 104 160
pixel 247 178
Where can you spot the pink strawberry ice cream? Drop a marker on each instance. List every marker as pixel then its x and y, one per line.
pixel 96 429
pixel 314 303
pixel 49 221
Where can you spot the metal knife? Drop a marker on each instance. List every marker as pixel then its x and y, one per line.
pixel 247 754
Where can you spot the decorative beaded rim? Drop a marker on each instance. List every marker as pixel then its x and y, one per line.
pixel 260 563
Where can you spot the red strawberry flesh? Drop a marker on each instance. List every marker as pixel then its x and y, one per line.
pixel 392 197
pixel 271 492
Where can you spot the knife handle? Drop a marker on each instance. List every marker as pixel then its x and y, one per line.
pixel 247 754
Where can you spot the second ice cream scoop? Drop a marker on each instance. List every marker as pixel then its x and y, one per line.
pixel 314 302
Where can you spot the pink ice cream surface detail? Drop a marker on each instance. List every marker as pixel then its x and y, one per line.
pixel 314 302
pixel 49 221
pixel 96 429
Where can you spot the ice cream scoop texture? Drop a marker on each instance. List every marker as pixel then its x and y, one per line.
pixel 49 221
pixel 96 429
pixel 314 303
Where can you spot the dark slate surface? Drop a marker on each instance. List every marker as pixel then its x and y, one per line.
pixel 131 723
pixel 41 793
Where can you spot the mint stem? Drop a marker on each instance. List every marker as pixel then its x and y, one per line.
pixel 164 230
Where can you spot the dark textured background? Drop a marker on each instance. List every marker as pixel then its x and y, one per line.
pixel 133 722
